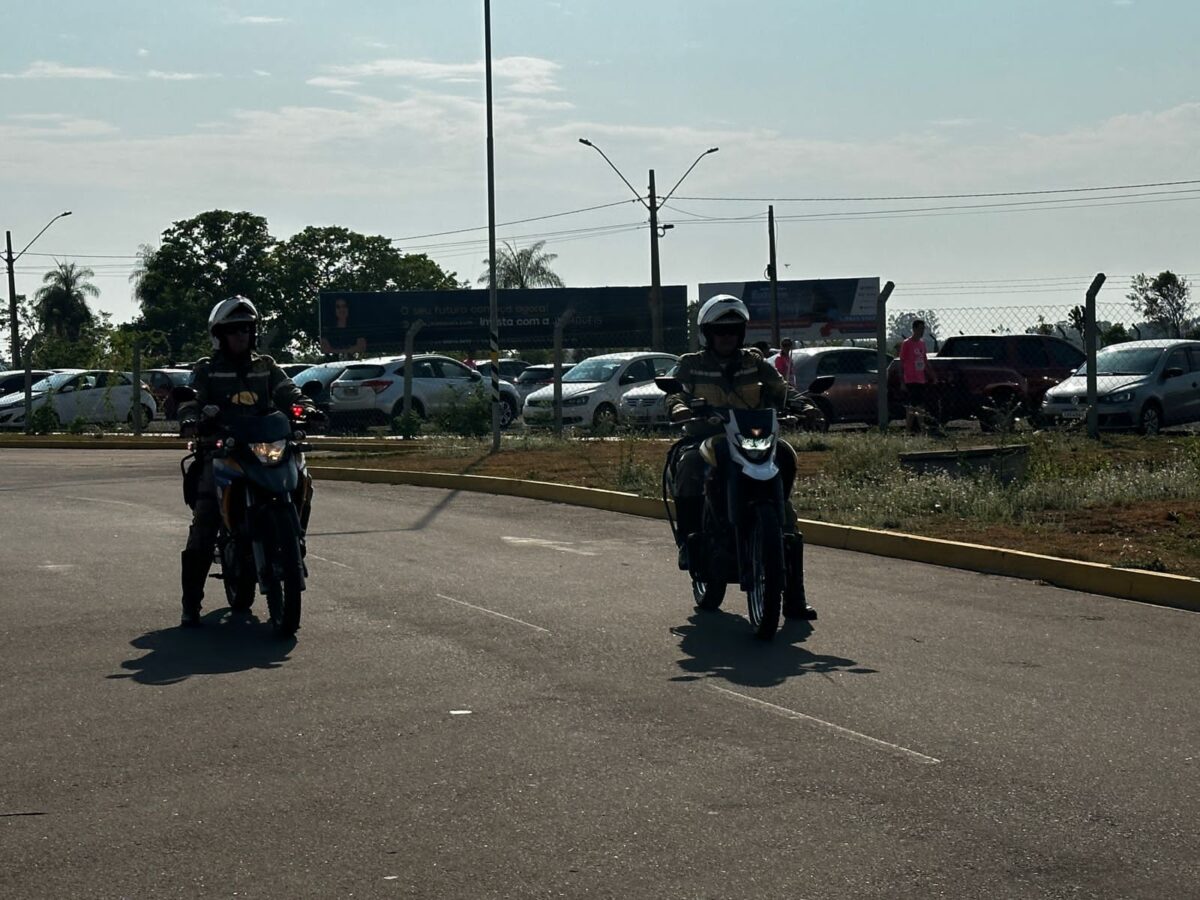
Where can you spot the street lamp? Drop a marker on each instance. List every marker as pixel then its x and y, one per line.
pixel 10 261
pixel 653 204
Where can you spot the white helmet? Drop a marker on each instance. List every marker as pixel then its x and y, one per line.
pixel 725 309
pixel 228 312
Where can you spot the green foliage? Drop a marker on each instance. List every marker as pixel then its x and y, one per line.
pixel 469 416
pixel 43 420
pixel 77 426
pixel 60 306
pixel 1164 300
pixel 407 425
pixel 634 476
pixel 900 325
pixel 527 268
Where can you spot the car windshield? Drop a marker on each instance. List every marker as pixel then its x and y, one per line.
pixel 1125 361
pixel 180 378
pixel 316 373
pixel 54 382
pixel 593 370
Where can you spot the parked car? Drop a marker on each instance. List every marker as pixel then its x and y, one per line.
pixel 162 383
pixel 644 406
pixel 14 380
pixel 992 376
pixel 294 369
pixel 372 391
pixel 315 381
pixel 509 368
pixel 1142 385
pixel 854 395
pixel 536 377
pixel 94 396
pixel 592 390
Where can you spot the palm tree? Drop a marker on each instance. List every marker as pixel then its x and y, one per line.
pixel 60 305
pixel 145 257
pixel 528 268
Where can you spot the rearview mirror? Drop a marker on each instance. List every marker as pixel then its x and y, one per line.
pixel 1173 372
pixel 183 394
pixel 668 384
pixel 476 375
pixel 821 385
pixel 311 389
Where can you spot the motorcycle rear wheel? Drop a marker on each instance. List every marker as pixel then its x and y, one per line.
pixel 707 594
pixel 765 596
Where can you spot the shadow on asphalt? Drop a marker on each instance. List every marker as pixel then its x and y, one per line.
pixel 421 524
pixel 721 645
pixel 228 642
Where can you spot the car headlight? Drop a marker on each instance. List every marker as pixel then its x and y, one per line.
pixel 577 400
pixel 1120 397
pixel 270 453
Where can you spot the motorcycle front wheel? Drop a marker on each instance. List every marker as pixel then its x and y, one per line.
pixel 238 576
pixel 765 558
pixel 285 584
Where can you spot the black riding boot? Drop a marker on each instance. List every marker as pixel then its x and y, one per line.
pixel 689 518
pixel 193 569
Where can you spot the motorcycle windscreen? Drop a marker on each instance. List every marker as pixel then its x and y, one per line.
pixel 274 426
pixel 749 421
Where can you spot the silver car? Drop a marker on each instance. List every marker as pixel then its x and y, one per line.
pixel 1142 385
pixel 373 390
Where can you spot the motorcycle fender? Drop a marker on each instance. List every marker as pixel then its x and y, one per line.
pixel 708 452
pixel 276 480
pixel 763 471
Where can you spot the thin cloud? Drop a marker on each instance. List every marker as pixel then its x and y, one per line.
pixel 524 74
pixel 259 20
pixel 323 81
pixel 262 73
pixel 44 69
pixel 177 76
pixel 143 52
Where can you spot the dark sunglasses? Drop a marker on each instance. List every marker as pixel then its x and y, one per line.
pixel 725 329
pixel 240 328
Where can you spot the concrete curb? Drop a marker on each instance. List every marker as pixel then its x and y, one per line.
pixel 1175 591
pixel 129 442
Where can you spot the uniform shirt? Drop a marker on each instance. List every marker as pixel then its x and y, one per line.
pixel 253 390
pixel 746 381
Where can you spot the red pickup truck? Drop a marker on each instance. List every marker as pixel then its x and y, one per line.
pixel 991 376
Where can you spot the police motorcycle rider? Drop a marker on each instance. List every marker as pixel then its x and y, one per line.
pixel 726 374
pixel 234 381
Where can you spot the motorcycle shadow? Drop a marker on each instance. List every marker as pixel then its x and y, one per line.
pixel 229 642
pixel 719 645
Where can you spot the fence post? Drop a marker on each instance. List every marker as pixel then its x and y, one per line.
pixel 1089 331
pixel 881 356
pixel 409 337
pixel 135 409
pixel 558 352
pixel 29 390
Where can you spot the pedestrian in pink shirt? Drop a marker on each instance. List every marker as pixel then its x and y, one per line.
pixel 917 375
pixel 783 362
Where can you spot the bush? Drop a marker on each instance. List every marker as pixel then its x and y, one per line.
pixel 407 425
pixel 77 426
pixel 469 416
pixel 43 420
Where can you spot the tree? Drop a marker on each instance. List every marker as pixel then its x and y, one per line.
pixel 1164 300
pixel 527 268
pixel 900 325
pixel 60 306
pixel 201 261
pixel 337 259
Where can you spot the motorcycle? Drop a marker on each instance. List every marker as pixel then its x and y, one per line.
pixel 264 493
pixel 743 539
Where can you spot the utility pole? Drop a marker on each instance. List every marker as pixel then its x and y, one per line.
pixel 773 275
pixel 493 305
pixel 656 310
pixel 13 330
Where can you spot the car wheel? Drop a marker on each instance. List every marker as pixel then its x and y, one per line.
pixel 417 408
pixel 147 416
pixel 1150 421
pixel 826 409
pixel 605 417
pixel 508 412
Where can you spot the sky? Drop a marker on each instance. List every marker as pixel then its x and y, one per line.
pixel 370 115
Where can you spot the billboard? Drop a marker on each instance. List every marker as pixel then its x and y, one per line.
pixel 825 309
pixel 375 323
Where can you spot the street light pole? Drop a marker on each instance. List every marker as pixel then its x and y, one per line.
pixel 653 205
pixel 493 303
pixel 10 262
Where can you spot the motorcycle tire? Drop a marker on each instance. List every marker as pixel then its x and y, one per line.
pixel 707 593
pixel 240 581
pixel 285 584
pixel 765 555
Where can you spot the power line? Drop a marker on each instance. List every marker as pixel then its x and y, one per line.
pixel 1113 187
pixel 569 212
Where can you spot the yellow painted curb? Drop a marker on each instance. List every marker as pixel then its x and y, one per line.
pixel 1160 589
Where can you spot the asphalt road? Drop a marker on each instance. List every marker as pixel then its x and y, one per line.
pixel 496 698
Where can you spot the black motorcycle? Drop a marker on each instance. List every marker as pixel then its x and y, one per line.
pixel 265 494
pixel 743 539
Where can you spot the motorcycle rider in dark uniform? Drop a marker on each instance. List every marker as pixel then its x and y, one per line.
pixel 234 381
pixel 728 374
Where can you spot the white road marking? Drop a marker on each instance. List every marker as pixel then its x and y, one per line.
pixel 330 561
pixel 561 546
pixel 492 612
pixel 836 729
pixel 115 502
pixel 57 567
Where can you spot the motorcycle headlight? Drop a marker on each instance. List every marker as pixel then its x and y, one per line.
pixel 270 453
pixel 577 400
pixel 756 444
pixel 1121 397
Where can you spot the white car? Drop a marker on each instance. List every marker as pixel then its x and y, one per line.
pixel 645 407
pixel 592 390
pixel 94 396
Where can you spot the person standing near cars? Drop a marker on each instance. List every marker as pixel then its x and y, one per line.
pixel 783 362
pixel 917 376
